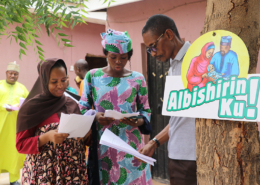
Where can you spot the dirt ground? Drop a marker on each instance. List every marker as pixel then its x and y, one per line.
pixel 4 180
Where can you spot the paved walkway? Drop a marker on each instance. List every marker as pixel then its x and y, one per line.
pixel 4 180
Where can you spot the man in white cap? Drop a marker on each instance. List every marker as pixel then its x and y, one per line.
pixel 10 93
pixel 225 61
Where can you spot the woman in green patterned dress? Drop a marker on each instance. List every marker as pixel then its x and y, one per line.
pixel 116 88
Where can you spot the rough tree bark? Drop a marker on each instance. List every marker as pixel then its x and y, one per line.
pixel 228 153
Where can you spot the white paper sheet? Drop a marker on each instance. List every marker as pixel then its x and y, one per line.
pixel 75 125
pixel 11 107
pixel 119 115
pixel 108 138
pixel 15 107
pixel 21 100
pixel 67 94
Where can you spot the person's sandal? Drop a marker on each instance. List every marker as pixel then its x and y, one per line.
pixel 14 183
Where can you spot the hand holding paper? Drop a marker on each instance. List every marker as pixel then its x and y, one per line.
pixel 119 115
pixel 11 107
pixel 55 137
pixel 110 139
pixel 75 125
pixel 102 120
pixel 16 106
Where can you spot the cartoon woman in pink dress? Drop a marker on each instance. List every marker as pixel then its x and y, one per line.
pixel 198 67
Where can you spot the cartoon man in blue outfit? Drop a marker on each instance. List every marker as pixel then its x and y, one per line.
pixel 225 61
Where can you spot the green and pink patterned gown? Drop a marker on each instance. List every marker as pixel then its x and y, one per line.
pixel 126 95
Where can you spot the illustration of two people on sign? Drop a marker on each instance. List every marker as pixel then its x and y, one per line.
pixel 210 67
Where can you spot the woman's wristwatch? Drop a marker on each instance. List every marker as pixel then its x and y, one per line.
pixel 156 141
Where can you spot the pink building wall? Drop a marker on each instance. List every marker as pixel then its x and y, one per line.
pixel 85 38
pixel 188 15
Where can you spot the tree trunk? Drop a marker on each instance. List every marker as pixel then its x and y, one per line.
pixel 228 152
